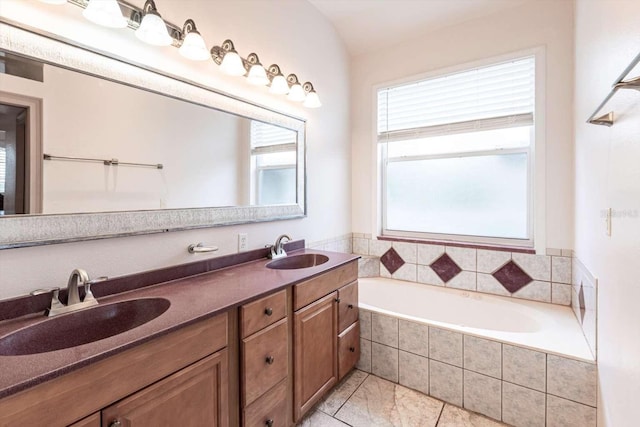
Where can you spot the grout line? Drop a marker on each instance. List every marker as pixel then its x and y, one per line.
pixel 354 392
pixel 440 414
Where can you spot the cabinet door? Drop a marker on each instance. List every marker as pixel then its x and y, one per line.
pixel 196 396
pixel 315 348
pixel 347 306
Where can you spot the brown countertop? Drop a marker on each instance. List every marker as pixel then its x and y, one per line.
pixel 192 299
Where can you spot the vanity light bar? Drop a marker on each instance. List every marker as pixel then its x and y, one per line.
pixel 249 67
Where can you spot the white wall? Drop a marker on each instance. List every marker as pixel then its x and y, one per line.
pixel 547 24
pixel 288 32
pixel 607 176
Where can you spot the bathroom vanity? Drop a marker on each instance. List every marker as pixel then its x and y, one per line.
pixel 247 345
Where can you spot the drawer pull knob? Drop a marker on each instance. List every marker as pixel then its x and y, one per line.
pixel 115 423
pixel 350 306
pixel 269 423
pixel 338 300
pixel 268 311
pixel 270 360
pixel 352 349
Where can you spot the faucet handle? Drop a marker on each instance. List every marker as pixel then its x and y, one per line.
pixel 88 295
pixel 55 290
pixel 56 305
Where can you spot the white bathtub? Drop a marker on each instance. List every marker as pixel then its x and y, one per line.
pixel 545 327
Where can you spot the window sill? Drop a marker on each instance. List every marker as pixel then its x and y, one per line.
pixel 460 244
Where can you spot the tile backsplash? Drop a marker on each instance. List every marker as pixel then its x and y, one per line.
pixel 545 278
pixel 584 301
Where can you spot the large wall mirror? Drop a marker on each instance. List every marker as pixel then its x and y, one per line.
pixel 94 147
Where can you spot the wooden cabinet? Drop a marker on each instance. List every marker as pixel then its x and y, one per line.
pixel 315 348
pixel 347 305
pixel 348 349
pixel 90 389
pixel 265 361
pixel 193 397
pixel 326 334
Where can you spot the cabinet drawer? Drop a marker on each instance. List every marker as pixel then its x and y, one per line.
pixel 264 360
pixel 347 305
pixel 348 349
pixel 307 292
pixel 262 313
pixel 268 410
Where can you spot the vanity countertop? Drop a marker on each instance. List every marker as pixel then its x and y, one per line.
pixel 192 299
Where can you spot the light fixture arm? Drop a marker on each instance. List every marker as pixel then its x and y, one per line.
pixel 134 17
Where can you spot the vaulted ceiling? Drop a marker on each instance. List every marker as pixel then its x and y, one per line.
pixel 367 25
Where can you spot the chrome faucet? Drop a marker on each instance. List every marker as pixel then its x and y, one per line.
pixel 277 251
pixel 78 276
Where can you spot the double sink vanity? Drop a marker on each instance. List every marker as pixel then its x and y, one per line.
pixel 239 340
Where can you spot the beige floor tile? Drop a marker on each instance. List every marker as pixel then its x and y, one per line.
pixel 342 392
pixel 320 419
pixel 452 416
pixel 380 403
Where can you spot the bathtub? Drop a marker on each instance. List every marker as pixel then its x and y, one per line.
pixel 548 328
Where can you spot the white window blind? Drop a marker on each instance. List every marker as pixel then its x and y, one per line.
pixel 3 168
pixel 492 97
pixel 266 138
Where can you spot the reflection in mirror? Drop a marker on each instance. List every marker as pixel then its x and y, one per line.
pixel 108 146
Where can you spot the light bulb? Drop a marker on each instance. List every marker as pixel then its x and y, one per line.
pixel 279 85
pixel 106 13
pixel 257 75
pixel 193 47
pixel 153 30
pixel 296 93
pixel 232 64
pixel 54 1
pixel 312 100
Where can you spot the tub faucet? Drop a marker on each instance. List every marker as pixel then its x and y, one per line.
pixel 277 251
pixel 78 277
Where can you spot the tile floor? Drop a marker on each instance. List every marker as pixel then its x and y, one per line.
pixel 364 400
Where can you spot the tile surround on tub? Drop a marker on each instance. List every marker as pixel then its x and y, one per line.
pixel 509 383
pixel 487 270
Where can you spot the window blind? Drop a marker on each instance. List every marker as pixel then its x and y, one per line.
pixel 495 96
pixel 3 168
pixel 266 138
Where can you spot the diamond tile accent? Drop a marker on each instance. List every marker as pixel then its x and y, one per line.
pixel 391 260
pixel 445 268
pixel 512 277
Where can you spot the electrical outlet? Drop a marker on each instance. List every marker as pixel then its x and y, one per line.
pixel 243 242
pixel 608 221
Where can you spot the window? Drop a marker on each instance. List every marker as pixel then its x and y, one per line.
pixel 273 164
pixel 456 155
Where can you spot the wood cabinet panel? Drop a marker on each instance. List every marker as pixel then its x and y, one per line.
pixel 315 348
pixel 113 378
pixel 268 410
pixel 90 421
pixel 347 305
pixel 348 349
pixel 307 292
pixel 193 397
pixel 262 313
pixel 264 360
